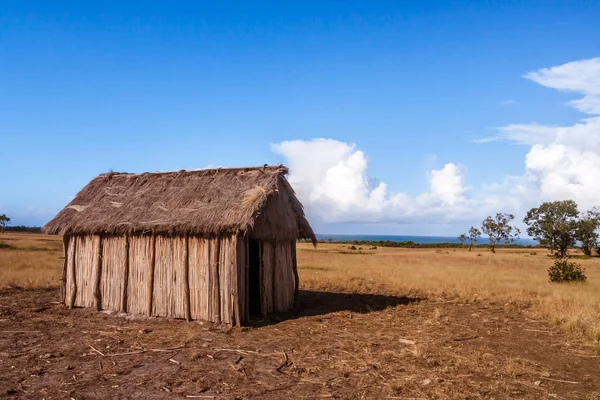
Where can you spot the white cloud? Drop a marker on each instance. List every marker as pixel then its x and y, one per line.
pixel 581 76
pixel 508 102
pixel 564 161
pixel 330 178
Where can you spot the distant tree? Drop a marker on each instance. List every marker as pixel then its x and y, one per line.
pixel 587 231
pixel 474 235
pixel 4 220
pixel 462 238
pixel 554 225
pixel 499 229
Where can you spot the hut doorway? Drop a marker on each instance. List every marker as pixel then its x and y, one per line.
pixel 254 284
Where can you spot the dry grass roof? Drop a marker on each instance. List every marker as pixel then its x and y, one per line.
pixel 208 203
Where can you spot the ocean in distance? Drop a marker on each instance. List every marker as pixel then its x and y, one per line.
pixel 416 239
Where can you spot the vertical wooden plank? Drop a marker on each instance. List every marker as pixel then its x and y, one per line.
pixel 267 270
pixel 234 273
pixel 275 285
pixel 247 276
pixel 295 270
pixel 151 273
pixel 73 275
pixel 65 265
pixel 214 281
pixel 241 273
pixel 98 273
pixel 224 281
pixel 186 279
pixel 125 274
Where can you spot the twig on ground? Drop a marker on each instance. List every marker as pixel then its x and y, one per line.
pixel 559 380
pixel 465 338
pixel 97 351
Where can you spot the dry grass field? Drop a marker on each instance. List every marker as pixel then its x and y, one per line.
pixel 370 324
pixel 510 276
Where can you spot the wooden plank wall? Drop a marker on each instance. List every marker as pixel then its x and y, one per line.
pixel 140 254
pixel 217 272
pixel 277 277
pixel 111 282
pixel 70 285
pixel 86 248
pixel 199 257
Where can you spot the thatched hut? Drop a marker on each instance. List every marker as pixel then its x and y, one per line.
pixel 215 244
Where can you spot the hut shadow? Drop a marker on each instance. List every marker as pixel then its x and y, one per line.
pixel 313 303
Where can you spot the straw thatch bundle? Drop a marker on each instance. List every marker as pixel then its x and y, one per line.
pixel 257 201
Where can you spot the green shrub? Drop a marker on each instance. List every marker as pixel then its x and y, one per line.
pixel 564 270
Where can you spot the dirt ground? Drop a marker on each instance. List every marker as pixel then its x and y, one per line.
pixel 334 346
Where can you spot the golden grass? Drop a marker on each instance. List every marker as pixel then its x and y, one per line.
pixel 517 276
pixel 31 261
pixel 514 276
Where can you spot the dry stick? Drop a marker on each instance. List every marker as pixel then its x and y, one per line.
pixel 144 351
pixel 63 275
pixel 98 277
pixel 559 380
pixel 73 275
pixel 96 350
pixel 125 274
pixel 186 280
pixel 151 278
pixel 20 331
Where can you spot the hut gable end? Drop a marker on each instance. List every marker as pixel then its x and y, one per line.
pixel 206 203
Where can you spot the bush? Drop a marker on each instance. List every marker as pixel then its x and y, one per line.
pixel 564 270
pixel 353 247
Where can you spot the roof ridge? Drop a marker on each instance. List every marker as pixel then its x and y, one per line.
pixel 273 168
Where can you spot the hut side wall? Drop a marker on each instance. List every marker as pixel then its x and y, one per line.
pixel 217 274
pixel 277 277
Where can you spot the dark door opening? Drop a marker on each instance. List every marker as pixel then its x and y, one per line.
pixel 254 279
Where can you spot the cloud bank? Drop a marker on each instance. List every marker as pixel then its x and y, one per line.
pixel 332 181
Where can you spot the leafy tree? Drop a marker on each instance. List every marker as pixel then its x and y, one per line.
pixel 499 229
pixel 462 238
pixel 3 221
pixel 554 225
pixel 474 235
pixel 587 231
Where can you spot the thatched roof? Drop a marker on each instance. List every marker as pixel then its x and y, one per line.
pixel 208 203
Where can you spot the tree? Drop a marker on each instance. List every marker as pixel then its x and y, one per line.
pixel 474 235
pixel 587 231
pixel 462 238
pixel 498 229
pixel 3 221
pixel 554 225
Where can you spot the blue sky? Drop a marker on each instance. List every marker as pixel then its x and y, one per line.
pixel 400 90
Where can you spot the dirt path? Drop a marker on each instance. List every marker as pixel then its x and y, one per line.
pixel 339 346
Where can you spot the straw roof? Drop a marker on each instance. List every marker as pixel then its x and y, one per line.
pixel 207 203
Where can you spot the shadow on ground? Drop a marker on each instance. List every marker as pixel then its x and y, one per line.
pixel 313 303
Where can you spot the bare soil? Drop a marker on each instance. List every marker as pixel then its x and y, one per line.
pixel 346 346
